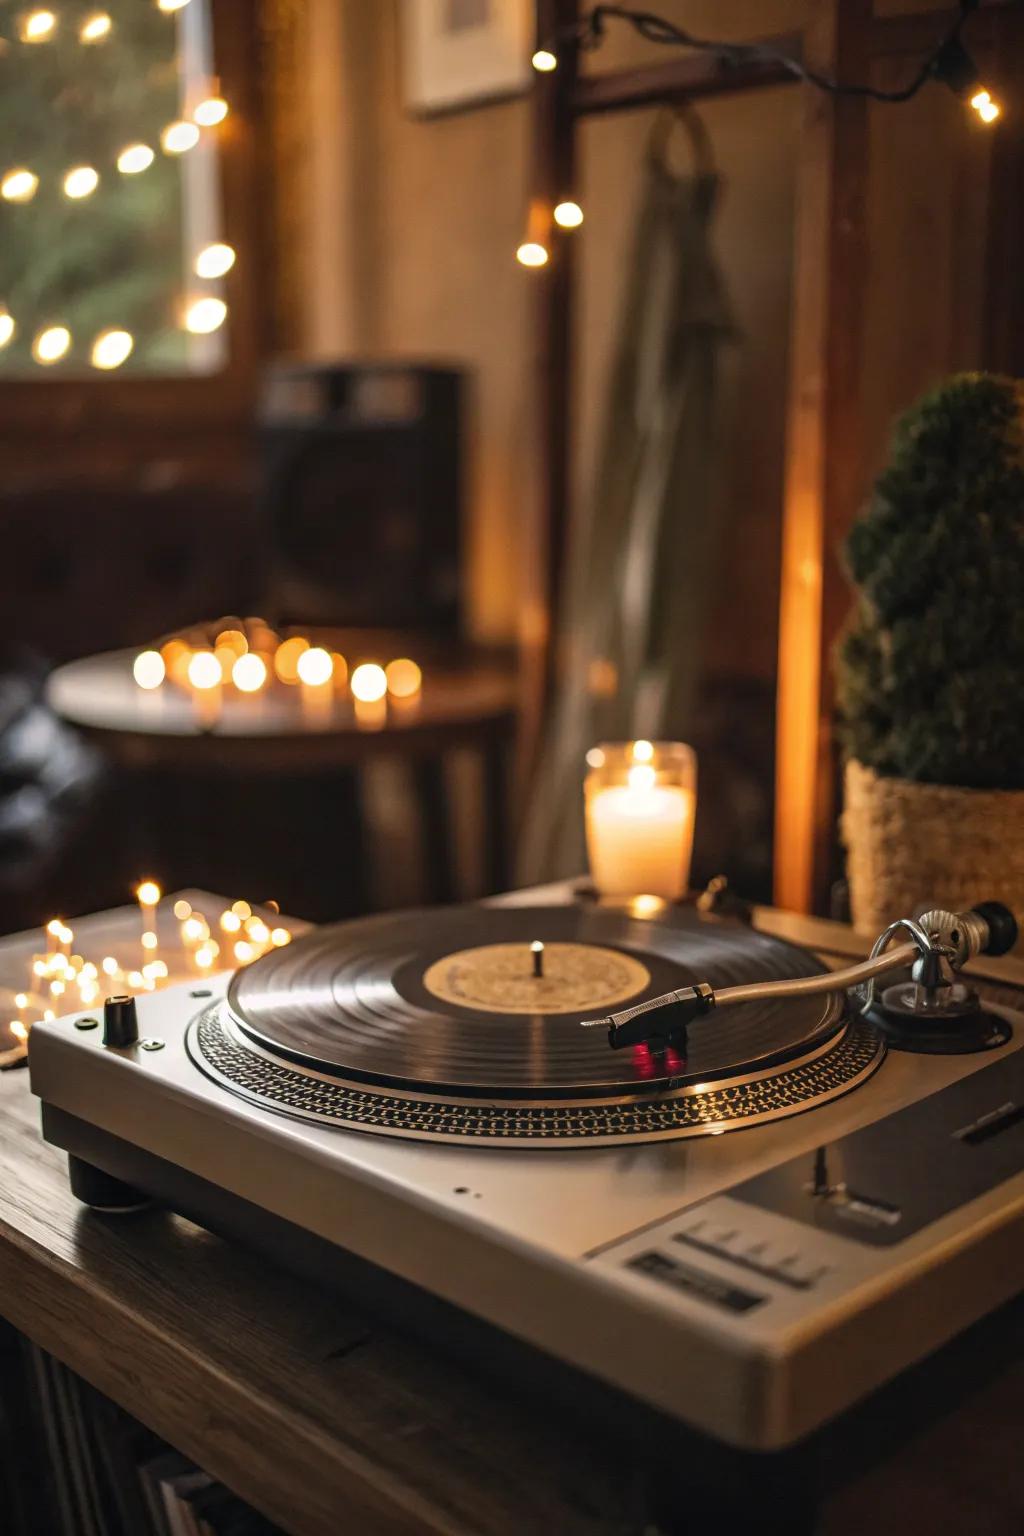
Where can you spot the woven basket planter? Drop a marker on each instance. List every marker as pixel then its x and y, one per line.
pixel 909 845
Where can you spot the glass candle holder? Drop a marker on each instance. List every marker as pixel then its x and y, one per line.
pixel 640 798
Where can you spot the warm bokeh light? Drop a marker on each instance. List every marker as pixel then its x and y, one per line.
pixel 149 940
pixel 177 138
pixel 544 61
pixel 18 1030
pixel 195 929
pixel 314 666
pixel 568 215
pixel 205 315
pixel 233 639
pixel 171 5
pixel 257 930
pixel 37 26
pixel 249 673
pixel 182 909
pixel 204 670
pixel 241 909
pixel 532 254
pixel 244 952
pixel 340 669
pixel 286 658
pixel 51 345
pixel 19 186
pixel 148 669
pixel 988 111
pixel 95 27
pixel 230 922
pixel 135 158
pixel 643 751
pixel 7 328
pixel 369 682
pixel 81 182
pixel 210 112
pixel 214 260
pixel 279 937
pixel 176 655
pixel 404 678
pixel 111 349
pixel 204 957
pixel 148 893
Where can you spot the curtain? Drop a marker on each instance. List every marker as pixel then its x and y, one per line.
pixel 641 556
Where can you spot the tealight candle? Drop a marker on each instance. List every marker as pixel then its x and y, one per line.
pixel 640 799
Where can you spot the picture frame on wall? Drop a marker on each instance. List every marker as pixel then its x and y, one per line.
pixel 460 53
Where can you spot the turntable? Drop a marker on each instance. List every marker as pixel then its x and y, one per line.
pixel 675 1155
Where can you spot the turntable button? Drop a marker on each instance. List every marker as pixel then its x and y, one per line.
pixel 120 1021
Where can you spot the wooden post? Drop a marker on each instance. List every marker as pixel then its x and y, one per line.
pixel 1003 320
pixel 552 177
pixel 824 466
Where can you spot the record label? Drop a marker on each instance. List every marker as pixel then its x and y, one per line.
pixel 503 978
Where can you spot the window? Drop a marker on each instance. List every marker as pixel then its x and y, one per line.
pixel 112 255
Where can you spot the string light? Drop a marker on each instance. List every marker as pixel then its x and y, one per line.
pixel 369 682
pixel 149 671
pixel 214 260
pixel 111 348
pixel 37 27
pixel 95 28
pixel 205 315
pixel 987 109
pixel 19 186
pixel 532 254
pixel 210 112
pixel 81 182
pixel 179 137
pixel 51 344
pixel 7 327
pixel 568 215
pixel 135 158
pixel 948 60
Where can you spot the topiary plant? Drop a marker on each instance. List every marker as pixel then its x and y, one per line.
pixel 931 666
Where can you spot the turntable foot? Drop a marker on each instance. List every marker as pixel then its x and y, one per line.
pixel 102 1191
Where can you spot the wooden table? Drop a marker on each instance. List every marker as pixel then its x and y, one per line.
pixel 334 1424
pixel 468 703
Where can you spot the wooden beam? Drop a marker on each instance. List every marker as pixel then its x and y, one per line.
pixel 690 75
pixel 824 465
pixel 544 544
pixel 1003 314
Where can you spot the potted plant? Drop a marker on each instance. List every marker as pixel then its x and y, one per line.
pixel 931 665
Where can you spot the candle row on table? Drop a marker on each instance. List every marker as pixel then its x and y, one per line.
pixel 250 663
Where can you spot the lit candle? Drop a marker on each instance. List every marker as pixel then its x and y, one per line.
pixel 315 668
pixel 640 802
pixel 204 675
pixel 404 681
pixel 369 686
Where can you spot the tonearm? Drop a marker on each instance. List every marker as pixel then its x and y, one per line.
pixel 931 1006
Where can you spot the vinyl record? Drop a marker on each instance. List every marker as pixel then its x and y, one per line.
pixel 450 1001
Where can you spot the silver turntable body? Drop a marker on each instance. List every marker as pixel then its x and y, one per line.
pixel 752 1284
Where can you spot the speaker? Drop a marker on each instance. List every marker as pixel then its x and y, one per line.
pixel 362 494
